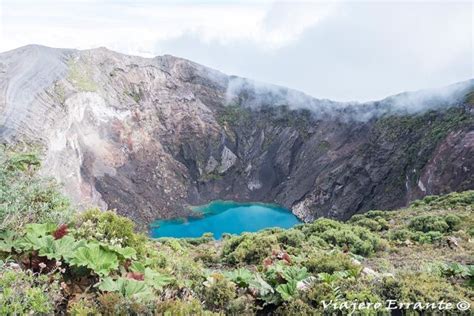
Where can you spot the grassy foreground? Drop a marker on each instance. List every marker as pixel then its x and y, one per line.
pixel 56 261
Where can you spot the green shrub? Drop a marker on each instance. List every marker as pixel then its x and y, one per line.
pixel 241 305
pixel 206 254
pixel 291 237
pixel 453 221
pixel 319 292
pixel 108 227
pixel 249 248
pixel 372 220
pixel 82 307
pixel 113 303
pixel 449 200
pixel 330 263
pixel 377 214
pixel 205 238
pixel 355 239
pixel 25 197
pixel 295 307
pixel 321 225
pixel 372 224
pixel 23 292
pixel 389 288
pixel 187 270
pixel 401 234
pixel 422 287
pixel 364 294
pixel 442 224
pixel 181 308
pixel 427 238
pixel 218 292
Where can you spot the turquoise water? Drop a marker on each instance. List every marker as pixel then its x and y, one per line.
pixel 221 217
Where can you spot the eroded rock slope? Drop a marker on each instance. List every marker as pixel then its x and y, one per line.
pixel 151 136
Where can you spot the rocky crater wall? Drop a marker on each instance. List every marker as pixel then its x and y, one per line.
pixel 151 136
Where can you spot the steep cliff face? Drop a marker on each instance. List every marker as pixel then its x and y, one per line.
pixel 151 136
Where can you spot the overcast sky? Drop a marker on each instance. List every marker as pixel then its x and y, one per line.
pixel 344 51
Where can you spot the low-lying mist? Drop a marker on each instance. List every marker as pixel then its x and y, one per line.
pixel 255 95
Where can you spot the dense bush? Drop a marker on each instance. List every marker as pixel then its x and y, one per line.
pixel 356 239
pixel 291 237
pixel 249 248
pixel 322 291
pixel 421 237
pixel 401 234
pixel 108 227
pixel 448 200
pixel 25 197
pixel 320 226
pixel 23 292
pixel 82 306
pixel 372 220
pixel 428 223
pixel 182 307
pixel 330 263
pixel 422 287
pixel 295 307
pixel 218 291
pixel 427 238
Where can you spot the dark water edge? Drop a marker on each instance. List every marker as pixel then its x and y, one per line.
pixel 220 217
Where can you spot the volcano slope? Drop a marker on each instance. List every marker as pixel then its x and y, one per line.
pixel 149 136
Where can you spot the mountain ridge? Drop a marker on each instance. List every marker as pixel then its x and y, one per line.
pixel 464 84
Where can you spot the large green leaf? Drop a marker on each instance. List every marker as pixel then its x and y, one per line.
pixel 137 289
pixel 293 273
pixel 137 267
pixel 61 248
pixel 127 287
pixel 40 230
pixel 123 252
pixel 156 279
pixel 241 277
pixel 93 256
pixel 287 291
pixel 38 236
pixel 109 284
pixel 9 240
pixel 330 278
pixel 32 241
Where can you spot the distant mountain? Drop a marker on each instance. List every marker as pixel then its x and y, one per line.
pixel 150 136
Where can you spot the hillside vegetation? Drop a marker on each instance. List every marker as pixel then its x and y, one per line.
pixel 55 261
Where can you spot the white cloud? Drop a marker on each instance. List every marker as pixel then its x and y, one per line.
pixel 343 50
pixel 285 22
pixel 135 28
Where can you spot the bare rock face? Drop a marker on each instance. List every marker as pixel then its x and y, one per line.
pixel 151 136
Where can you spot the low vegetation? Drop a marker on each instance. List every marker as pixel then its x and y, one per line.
pixel 54 261
pixel 80 76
